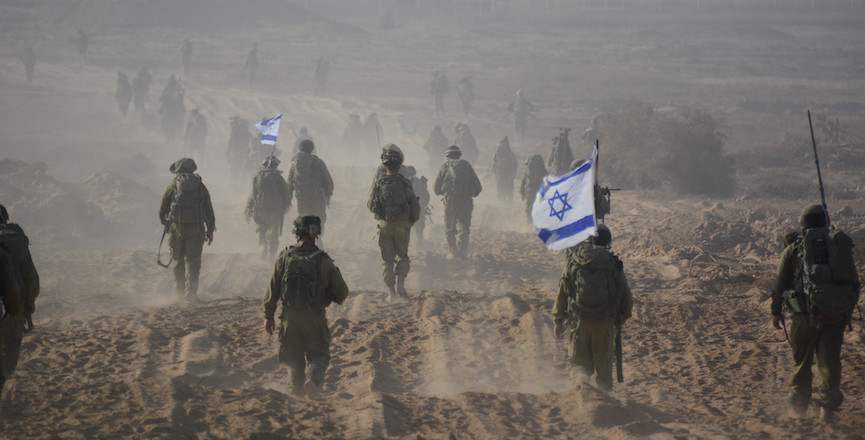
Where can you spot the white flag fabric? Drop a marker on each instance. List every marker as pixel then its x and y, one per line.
pixel 269 129
pixel 564 208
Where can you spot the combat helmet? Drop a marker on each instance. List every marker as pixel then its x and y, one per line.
pixel 604 237
pixel 306 146
pixel 577 163
pixel 270 163
pixel 392 153
pixel 183 165
pixel 308 225
pixel 454 151
pixel 813 216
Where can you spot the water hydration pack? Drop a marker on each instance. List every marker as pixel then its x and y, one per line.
pixel 300 278
pixel 593 270
pixel 392 198
pixel 827 272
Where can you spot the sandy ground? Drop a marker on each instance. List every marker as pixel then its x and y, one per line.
pixel 115 355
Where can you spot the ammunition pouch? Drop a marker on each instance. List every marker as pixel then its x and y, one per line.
pixel 796 301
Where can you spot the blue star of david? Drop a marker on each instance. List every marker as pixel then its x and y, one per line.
pixel 565 206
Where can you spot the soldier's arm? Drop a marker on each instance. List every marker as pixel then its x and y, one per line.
pixel 415 205
pixel 165 207
pixel 439 182
pixel 250 201
pixel 326 180
pixel 784 277
pixel 560 308
pixel 30 279
pixel 286 194
pixel 12 295
pixel 477 183
pixel 209 217
pixel 626 301
pixel 370 204
pixel 336 288
pixel 274 289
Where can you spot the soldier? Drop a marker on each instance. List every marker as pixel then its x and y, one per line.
pixel 172 108
pixel 435 146
pixel 196 134
pixel 505 169
pixel 29 60
pixel 238 145
pixel 438 88
pixel 250 66
pixel 561 157
pixel 522 109
pixel 595 299
pixel 396 208
pixel 533 177
pixel 10 306
pixel 591 134
pixel 302 135
pixel 140 88
pixel 267 205
pixel 322 69
pixel 372 133
pixel 466 94
pixel 464 139
pixel 419 186
pixel 352 135
pixel 602 195
pixel 187 213
pixel 310 182
pixel 186 55
pixel 818 282
pixel 305 281
pixel 123 95
pixel 381 170
pixel 458 183
pixel 14 241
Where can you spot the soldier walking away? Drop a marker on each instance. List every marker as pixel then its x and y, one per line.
pixel 521 109
pixel 82 42
pixel 395 206
pixel 818 283
pixel 466 93
pixel 238 146
pixel 373 132
pixel 172 108
pixel 267 205
pixel 458 183
pixel 187 214
pixel 351 138
pixel 302 135
pixel 532 179
pixel 29 60
pixel 196 134
pixel 595 300
pixel 435 146
pixel 419 186
pixel 17 319
pixel 123 95
pixel 305 280
pixel 11 308
pixel 464 139
pixel 322 69
pixel 140 89
pixel 250 66
pixel 186 56
pixel 592 133
pixel 438 89
pixel 505 169
pixel 561 157
pixel 310 182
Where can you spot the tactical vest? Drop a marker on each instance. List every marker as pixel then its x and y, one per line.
pixel 458 180
pixel 826 275
pixel 300 280
pixel 391 199
pixel 187 207
pixel 593 270
pixel 269 196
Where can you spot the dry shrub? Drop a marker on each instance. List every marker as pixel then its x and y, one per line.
pixel 681 153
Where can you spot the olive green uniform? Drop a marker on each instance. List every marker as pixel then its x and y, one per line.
pixel 458 202
pixel 505 168
pixel 304 336
pixel 309 180
pixel 186 240
pixel 591 347
pixel 268 210
pixel 532 179
pixel 822 336
pixel 13 239
pixel 394 233
pixel 12 325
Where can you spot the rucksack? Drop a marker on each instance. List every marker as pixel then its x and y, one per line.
pixel 306 175
pixel 827 272
pixel 593 270
pixel 458 180
pixel 300 278
pixel 187 205
pixel 392 198
pixel 269 192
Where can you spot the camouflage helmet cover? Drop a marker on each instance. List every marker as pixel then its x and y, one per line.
pixel 453 150
pixel 813 216
pixel 392 153
pixel 603 237
pixel 183 165
pixel 306 146
pixel 270 162
pixel 307 225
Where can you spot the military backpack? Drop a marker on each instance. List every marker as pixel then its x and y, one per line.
pixel 300 278
pixel 269 195
pixel 188 203
pixel 391 199
pixel 593 270
pixel 458 180
pixel 306 175
pixel 826 274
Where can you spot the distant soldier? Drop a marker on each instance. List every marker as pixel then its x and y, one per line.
pixel 466 94
pixel 438 89
pixel 560 158
pixel 186 56
pixel 372 133
pixel 602 195
pixel 464 139
pixel 17 319
pixel 123 95
pixel 250 66
pixel 310 182
pixel 381 170
pixel 818 282
pixel 505 169
pixel 238 146
pixel 172 109
pixel 521 109
pixel 140 89
pixel 435 146
pixel 395 206
pixel 187 213
pixel 196 134
pixel 82 42
pixel 322 69
pixel 29 60
pixel 10 306
pixel 306 282
pixel 592 133
pixel 595 300
pixel 267 205
pixel 352 136
pixel 419 186
pixel 458 183
pixel 532 179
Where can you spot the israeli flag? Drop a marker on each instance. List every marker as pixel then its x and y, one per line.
pixel 564 208
pixel 269 129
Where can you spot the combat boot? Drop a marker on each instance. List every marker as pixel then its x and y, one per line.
pixel 391 294
pixel 827 415
pixel 400 287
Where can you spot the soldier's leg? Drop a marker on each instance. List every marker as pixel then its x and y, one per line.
pixel 829 362
pixel 178 253
pixel 580 355
pixel 292 355
pixel 387 245
pixel 317 347
pixel 803 337
pixel 402 233
pixel 464 223
pixel 12 332
pixel 603 349
pixel 194 246
pixel 451 227
pixel 273 238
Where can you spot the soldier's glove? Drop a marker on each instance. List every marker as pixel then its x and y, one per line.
pixel 209 237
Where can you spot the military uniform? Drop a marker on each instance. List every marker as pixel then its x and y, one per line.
pixel 26 289
pixel 532 179
pixel 419 186
pixel 435 146
pixel 267 204
pixel 309 180
pixel 12 326
pixel 522 109
pixel 188 230
pixel 505 169
pixel 560 158
pixel 304 336
pixel 458 183
pixel 465 140
pixel 591 343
